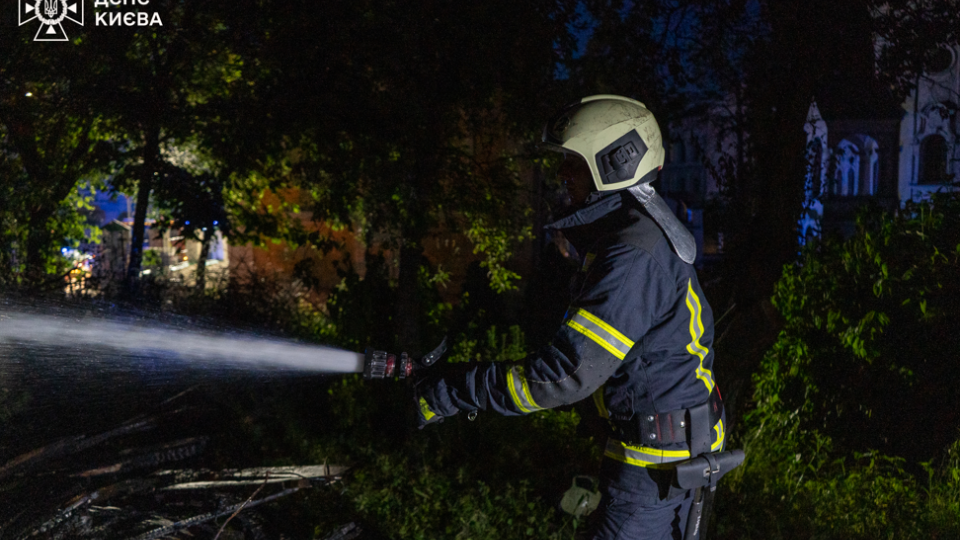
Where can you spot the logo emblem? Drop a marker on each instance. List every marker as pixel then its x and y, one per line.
pixel 51 14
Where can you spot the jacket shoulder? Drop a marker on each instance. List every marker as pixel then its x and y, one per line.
pixel 642 233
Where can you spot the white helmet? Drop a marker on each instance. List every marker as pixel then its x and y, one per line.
pixel 618 137
pixel 620 140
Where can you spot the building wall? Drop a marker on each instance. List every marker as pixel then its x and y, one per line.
pixel 931 111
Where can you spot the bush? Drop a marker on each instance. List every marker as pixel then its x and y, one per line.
pixel 859 392
pixel 495 477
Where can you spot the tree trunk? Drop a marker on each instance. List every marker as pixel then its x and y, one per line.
pixel 201 274
pixel 151 162
pixel 408 298
pixel 38 239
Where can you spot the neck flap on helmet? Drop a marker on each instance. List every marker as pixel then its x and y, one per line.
pixel 682 242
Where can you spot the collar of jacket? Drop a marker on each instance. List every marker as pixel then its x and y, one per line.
pixel 589 213
pixel 587 223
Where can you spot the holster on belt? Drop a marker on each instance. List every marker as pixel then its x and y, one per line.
pixel 656 430
pixel 692 426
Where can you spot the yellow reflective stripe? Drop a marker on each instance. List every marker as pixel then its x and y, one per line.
pixel 720 434
pixel 511 385
pixel 601 333
pixel 613 331
pixel 597 339
pixel 644 456
pixel 696 332
pixel 588 260
pixel 601 406
pixel 520 392
pixel 525 390
pixel 425 410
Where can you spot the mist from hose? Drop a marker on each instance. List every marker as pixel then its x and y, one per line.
pixel 77 335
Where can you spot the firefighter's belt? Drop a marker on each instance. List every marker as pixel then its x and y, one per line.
pixel 657 430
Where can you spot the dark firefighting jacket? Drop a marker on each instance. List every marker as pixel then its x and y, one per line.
pixel 637 338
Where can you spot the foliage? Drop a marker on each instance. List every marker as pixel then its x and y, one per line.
pixel 387 132
pixel 431 504
pixel 361 310
pixel 851 400
pixel 68 226
pixel 153 260
pixel 493 478
pixel 50 140
pixel 496 347
pixel 496 245
pixel 163 92
pixel 861 496
pixel 943 495
pixel 867 324
pixel 909 34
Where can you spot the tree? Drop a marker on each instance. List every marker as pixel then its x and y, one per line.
pixel 403 118
pixel 155 86
pixel 910 34
pixel 50 138
pixel 835 438
pixel 191 202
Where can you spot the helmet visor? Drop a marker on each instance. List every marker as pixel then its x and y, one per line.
pixel 557 125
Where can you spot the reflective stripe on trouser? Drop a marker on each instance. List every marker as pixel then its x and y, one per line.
pixel 645 456
pixel 520 391
pixel 601 333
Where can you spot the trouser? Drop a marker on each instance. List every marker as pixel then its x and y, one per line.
pixel 638 503
pixel 621 519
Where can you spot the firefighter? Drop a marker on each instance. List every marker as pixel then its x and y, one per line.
pixel 637 339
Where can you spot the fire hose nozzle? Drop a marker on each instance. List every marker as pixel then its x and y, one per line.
pixel 382 365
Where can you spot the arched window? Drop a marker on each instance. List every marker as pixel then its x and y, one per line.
pixel 933 160
pixel 939 60
pixel 848 168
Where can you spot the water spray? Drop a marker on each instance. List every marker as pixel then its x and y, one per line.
pixel 68 361
pixel 151 339
pixel 203 349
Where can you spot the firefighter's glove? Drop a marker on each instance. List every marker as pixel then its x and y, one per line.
pixel 426 416
pixel 433 400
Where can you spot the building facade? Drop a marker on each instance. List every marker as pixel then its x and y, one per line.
pixel 871 156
